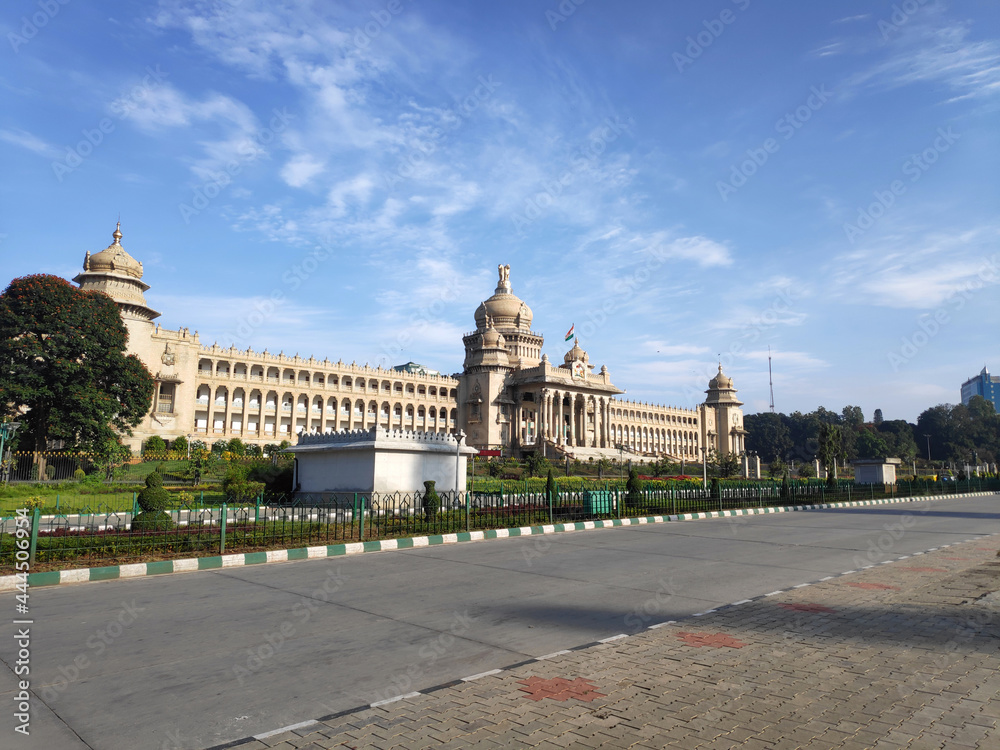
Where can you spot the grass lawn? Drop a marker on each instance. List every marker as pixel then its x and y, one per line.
pixel 74 499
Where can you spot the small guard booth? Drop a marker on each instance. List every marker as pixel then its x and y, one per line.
pixel 875 470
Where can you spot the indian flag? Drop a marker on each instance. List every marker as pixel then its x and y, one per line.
pixel 570 333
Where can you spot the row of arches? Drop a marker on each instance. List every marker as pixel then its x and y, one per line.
pixel 258 412
pixel 318 380
pixel 642 439
pixel 653 417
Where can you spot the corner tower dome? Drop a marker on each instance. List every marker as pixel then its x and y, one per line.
pixel 113 259
pixel 118 275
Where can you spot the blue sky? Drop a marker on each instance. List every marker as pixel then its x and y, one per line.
pixel 680 180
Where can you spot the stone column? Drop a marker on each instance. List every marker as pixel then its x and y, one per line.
pixel 563 433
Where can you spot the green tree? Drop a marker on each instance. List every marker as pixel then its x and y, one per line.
pixel 899 437
pixel 155 444
pixel 431 500
pixel 870 444
pixel 109 458
pixel 153 500
pixel 830 444
pixel 179 444
pixel 853 416
pixel 633 489
pixel 767 435
pixel 65 364
pixel 237 447
pixel 729 464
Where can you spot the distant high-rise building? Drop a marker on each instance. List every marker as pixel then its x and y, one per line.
pixel 983 384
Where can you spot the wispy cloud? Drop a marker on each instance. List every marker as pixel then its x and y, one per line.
pixel 231 130
pixel 934 50
pixel 920 271
pixel 24 139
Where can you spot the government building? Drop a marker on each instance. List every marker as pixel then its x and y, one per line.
pixel 510 397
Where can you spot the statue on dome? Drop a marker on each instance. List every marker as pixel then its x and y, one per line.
pixel 504 274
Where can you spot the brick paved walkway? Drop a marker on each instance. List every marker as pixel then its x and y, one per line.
pixel 899 655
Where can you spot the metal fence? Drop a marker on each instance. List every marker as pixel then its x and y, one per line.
pixel 298 521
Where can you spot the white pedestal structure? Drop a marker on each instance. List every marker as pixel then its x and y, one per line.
pixel 875 470
pixel 381 461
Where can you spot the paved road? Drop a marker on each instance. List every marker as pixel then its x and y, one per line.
pixel 194 660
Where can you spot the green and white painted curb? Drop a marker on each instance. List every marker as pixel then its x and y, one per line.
pixel 135 570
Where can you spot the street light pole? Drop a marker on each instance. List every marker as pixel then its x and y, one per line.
pixel 704 467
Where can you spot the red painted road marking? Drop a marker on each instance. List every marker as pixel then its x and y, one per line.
pixel 858 585
pixel 713 640
pixel 559 689
pixel 806 607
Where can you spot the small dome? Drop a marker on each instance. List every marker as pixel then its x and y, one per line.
pixel 114 259
pixel 576 353
pixel 720 381
pixel 492 339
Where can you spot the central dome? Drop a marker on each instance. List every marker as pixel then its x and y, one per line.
pixel 504 309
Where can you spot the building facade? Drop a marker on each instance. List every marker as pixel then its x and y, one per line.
pixel 509 396
pixel 983 384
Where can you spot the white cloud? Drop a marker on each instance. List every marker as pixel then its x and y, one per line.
pixel 702 250
pixel 931 49
pixel 357 190
pixel 231 132
pixel 920 271
pixel 33 143
pixel 300 170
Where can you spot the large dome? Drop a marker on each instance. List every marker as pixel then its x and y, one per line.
pixel 114 259
pixel 504 309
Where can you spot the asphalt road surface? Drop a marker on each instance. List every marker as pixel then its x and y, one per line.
pixel 198 659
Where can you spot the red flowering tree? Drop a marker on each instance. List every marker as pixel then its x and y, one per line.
pixel 62 358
